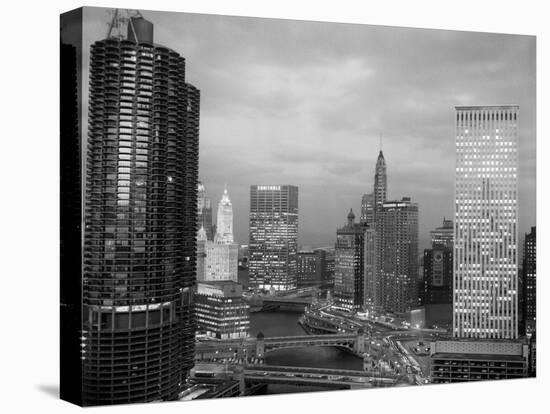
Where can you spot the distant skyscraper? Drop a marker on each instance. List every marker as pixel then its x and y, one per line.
pixel 140 222
pixel 349 265
pixel 224 227
pixel 380 184
pixel 437 286
pixel 367 209
pixel 306 268
pixel 444 235
pixel 204 211
pixel 222 254
pixel 397 240
pixel 273 236
pixel 486 217
pixel 530 280
pixel 372 298
pixel 201 255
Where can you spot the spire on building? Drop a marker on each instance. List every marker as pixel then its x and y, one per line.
pixel 224 229
pixel 351 217
pixel 380 183
pixel 201 235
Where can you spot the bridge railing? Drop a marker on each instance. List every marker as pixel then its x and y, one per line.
pixel 307 338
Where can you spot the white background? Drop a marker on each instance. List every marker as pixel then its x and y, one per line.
pixel 29 183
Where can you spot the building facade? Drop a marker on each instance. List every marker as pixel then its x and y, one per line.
pixel 530 281
pixel 221 311
pixel 222 254
pixel 140 221
pixel 224 226
pixel 486 218
pixel 204 212
pixel 349 266
pixel 367 209
pixel 467 360
pixel 307 268
pixel 443 236
pixel 372 287
pixel 380 184
pixel 397 258
pixel 437 282
pixel 201 255
pixel 273 244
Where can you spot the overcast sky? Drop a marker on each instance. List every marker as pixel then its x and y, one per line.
pixel 304 103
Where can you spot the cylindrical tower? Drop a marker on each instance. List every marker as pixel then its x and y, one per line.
pixel 140 224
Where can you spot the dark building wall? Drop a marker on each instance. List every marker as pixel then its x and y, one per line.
pixel 397 244
pixel 349 278
pixel 70 207
pixel 529 280
pixel 437 287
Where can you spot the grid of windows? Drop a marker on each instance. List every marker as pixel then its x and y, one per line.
pixel 397 261
pixel 273 246
pixel 486 212
pixel 349 266
pixel 367 209
pixel 222 312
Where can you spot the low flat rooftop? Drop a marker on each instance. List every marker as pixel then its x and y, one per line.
pixel 478 357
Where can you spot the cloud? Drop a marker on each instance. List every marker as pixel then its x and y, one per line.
pixel 305 103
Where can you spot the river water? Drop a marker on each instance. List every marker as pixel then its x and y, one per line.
pixel 286 324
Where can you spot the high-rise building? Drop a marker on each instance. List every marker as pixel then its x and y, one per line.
pixel 306 268
pixel 486 218
pixel 485 291
pixel 443 236
pixel 222 254
pixel 310 267
pixel 201 255
pixel 367 209
pixel 273 242
pixel 321 263
pixel 437 286
pixel 140 221
pixel 221 311
pixel 530 280
pixel 371 290
pixel 326 264
pixel 397 261
pixel 224 227
pixel 380 184
pixel 349 266
pixel 204 211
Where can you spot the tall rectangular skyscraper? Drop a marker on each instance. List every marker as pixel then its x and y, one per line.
pixel 485 303
pixel 349 277
pixel 273 243
pixel 397 241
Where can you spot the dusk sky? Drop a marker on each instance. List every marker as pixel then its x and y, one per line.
pixel 305 103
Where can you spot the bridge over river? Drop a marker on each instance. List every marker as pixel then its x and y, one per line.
pixel 332 378
pixel 259 346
